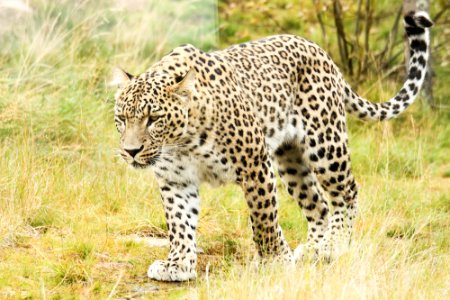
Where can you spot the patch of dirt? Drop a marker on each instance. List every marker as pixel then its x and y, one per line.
pixel 113 265
pixel 141 287
pixel 140 291
pixel 145 231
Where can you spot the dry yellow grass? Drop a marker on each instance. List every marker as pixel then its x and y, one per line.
pixel 70 208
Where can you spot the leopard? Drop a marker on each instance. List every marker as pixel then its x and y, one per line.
pixel 244 114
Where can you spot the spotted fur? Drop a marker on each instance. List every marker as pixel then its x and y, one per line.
pixel 232 115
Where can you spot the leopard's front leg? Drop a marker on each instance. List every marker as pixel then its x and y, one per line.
pixel 181 206
pixel 261 195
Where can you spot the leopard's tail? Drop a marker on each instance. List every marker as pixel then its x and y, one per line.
pixel 417 26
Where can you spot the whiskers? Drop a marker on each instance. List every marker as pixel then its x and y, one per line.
pixel 119 153
pixel 167 153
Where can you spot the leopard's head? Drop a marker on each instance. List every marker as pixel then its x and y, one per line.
pixel 151 111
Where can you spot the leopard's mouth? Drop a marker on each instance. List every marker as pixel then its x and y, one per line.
pixel 148 163
pixel 137 165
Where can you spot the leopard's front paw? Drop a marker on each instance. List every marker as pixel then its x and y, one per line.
pixel 166 271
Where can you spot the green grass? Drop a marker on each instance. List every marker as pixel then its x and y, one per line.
pixel 70 207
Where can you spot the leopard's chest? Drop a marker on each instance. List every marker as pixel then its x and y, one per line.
pixel 203 165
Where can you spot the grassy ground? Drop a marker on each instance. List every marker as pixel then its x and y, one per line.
pixel 72 213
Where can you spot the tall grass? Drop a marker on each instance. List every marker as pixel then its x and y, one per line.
pixel 69 207
pixel 55 108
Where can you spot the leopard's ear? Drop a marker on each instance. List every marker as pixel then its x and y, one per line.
pixel 185 85
pixel 120 78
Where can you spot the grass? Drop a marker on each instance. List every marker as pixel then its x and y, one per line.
pixel 70 208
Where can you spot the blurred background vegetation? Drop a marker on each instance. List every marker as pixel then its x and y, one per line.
pixel 365 37
pixel 70 209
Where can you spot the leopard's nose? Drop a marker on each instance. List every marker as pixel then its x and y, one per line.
pixel 134 151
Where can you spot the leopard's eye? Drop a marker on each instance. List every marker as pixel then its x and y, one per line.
pixel 120 123
pixel 152 119
pixel 121 118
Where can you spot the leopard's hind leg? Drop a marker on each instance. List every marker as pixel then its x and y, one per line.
pixel 331 163
pixel 302 184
